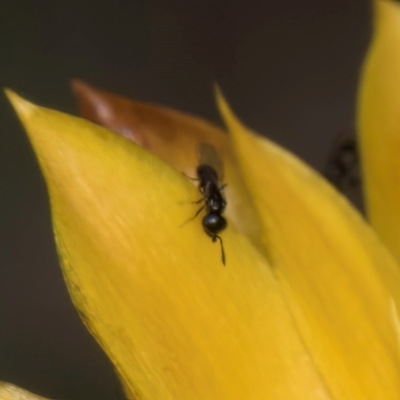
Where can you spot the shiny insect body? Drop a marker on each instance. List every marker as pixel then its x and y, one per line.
pixel 209 175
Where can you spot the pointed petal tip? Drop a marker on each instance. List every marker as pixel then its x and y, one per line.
pixel 84 93
pixel 12 392
pixel 93 103
pixel 77 82
pixel 78 86
pixel 231 120
pixel 221 102
pixel 21 106
pixel 217 90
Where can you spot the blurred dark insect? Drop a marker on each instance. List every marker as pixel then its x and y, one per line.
pixel 342 168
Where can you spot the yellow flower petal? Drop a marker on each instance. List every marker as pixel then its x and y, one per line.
pixel 175 322
pixel 11 392
pixel 335 274
pixel 379 125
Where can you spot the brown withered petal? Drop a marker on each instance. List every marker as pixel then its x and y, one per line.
pixel 171 135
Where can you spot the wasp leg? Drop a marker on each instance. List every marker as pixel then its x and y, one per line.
pixel 195 215
pixel 198 201
pixel 189 177
pixel 192 202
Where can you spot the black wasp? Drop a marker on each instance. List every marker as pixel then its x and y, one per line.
pixel 342 167
pixel 209 175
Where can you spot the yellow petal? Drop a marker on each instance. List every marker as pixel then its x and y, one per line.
pixel 334 273
pixel 175 322
pixel 11 392
pixel 379 125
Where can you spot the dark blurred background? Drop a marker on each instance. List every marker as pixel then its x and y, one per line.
pixel 289 69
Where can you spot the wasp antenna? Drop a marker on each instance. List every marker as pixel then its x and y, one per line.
pixel 222 248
